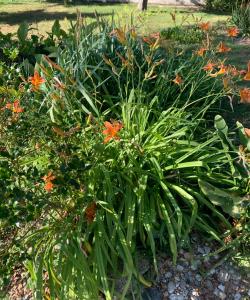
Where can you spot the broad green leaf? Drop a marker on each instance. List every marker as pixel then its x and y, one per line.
pixel 230 203
pixel 22 32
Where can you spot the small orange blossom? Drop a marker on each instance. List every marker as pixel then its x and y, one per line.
pixel 233 31
pixel 222 48
pixel 209 66
pixel 201 51
pixel 205 26
pixel 178 80
pixel 48 181
pixel 36 80
pixel 111 130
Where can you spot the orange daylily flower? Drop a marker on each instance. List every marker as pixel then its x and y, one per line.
pixel 111 130
pixel 119 34
pixel 133 33
pixel 233 71
pixel 222 48
pixel 178 80
pixel 247 132
pixel 201 51
pixel 90 212
pixel 48 181
pixel 209 66
pixel 36 80
pixel 245 95
pixel 48 186
pixel 8 105
pixel 15 107
pixel 247 76
pixel 205 26
pixel 233 31
pixel 223 70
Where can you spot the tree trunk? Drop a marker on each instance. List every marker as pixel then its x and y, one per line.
pixel 142 5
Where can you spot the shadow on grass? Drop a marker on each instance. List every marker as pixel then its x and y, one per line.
pixel 15 18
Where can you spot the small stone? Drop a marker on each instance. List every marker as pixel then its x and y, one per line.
pixel 171 287
pixel 152 293
pixel 222 295
pixel 195 293
pixel 224 276
pixel 176 297
pixel 183 285
pixel 168 275
pixel 216 292
pixel 200 250
pixel 221 287
pixel 209 285
pixel 237 296
pixel 248 292
pixel 211 272
pixel 179 268
pixel 198 277
pixel 194 266
pixel 188 255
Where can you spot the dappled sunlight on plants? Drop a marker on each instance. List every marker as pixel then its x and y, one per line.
pixel 110 144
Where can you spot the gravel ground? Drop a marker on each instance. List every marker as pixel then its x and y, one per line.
pixel 193 277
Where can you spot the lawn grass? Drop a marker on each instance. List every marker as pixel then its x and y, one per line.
pixel 41 15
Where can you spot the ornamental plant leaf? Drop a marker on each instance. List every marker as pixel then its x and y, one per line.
pixel 230 203
pixel 22 32
pixel 56 28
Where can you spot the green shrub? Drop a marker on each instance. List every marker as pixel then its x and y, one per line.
pixel 241 18
pixel 224 5
pixel 183 35
pixel 90 204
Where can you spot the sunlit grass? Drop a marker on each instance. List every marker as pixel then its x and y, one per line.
pixel 41 15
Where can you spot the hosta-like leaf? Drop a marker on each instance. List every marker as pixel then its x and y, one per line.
pixel 230 203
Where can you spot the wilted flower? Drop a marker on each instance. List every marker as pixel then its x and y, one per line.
pixel 90 212
pixel 247 76
pixel 247 132
pixel 222 48
pixel 245 95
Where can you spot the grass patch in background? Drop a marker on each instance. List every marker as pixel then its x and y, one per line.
pixel 41 15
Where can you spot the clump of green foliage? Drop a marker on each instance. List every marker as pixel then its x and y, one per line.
pixel 106 150
pixel 224 5
pixel 183 35
pixel 241 18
